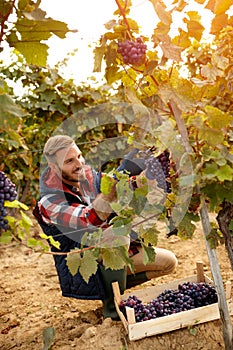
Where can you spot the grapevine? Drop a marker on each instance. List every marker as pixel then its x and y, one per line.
pixel 189 295
pixel 7 192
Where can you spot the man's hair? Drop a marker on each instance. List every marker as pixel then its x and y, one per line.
pixel 54 144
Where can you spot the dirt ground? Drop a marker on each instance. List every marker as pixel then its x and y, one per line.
pixel 31 302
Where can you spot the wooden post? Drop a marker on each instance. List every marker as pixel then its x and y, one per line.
pixel 213 259
pixel 228 290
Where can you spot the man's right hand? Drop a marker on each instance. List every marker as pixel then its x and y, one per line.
pixel 101 203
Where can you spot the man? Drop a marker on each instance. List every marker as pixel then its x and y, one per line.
pixel 71 204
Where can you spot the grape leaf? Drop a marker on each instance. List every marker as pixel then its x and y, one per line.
pixel 161 12
pixel 225 173
pixel 212 136
pixel 211 72
pixel 15 204
pixel 216 118
pixel 56 244
pixel 218 23
pixel 98 57
pixel 5 237
pixel 10 112
pixel 216 193
pixel 48 337
pixel 195 29
pixel 171 51
pixel 35 53
pixel 222 6
pixel 149 235
pixel 148 254
pixel 186 227
pixel 26 219
pixel 73 262
pixel 106 184
pixel 88 265
pixel 115 258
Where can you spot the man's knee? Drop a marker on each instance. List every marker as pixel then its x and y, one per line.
pixel 172 262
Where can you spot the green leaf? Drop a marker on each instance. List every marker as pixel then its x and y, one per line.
pixel 231 225
pixel 106 184
pixel 214 238
pixel 116 207
pixel 48 337
pixel 56 244
pixel 88 265
pixel 5 8
pixel 32 242
pixel 186 227
pixel 25 219
pixel 150 235
pixel 148 254
pixel 114 258
pixel 16 204
pixel 212 136
pixel 40 29
pixel 43 235
pixel 10 112
pixel 216 118
pixel 5 237
pixel 225 173
pixel 35 53
pixel 73 262
pixel 217 192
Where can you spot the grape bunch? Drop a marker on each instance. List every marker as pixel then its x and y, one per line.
pixel 7 192
pixel 189 295
pixel 159 168
pixel 132 51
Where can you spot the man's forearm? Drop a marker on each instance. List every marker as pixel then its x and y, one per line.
pixel 102 207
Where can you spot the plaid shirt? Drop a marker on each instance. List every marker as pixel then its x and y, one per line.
pixel 64 207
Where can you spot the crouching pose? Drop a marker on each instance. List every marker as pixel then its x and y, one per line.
pixel 71 204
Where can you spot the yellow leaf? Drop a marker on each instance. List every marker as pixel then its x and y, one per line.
pixel 210 72
pixel 161 12
pixel 218 119
pixel 222 6
pixel 171 51
pixel 212 136
pixel 195 29
pixel 98 56
pixel 219 22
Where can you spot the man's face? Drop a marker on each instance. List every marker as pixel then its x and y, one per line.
pixel 69 164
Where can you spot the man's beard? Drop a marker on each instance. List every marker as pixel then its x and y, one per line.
pixel 79 176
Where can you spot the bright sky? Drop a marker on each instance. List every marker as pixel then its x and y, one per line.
pixel 89 17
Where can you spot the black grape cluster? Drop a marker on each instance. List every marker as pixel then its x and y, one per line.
pixel 132 51
pixel 159 168
pixel 7 192
pixel 189 295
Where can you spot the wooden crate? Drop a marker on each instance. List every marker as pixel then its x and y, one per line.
pixel 172 322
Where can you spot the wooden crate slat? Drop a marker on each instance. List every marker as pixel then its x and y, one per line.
pixel 168 323
pixel 173 322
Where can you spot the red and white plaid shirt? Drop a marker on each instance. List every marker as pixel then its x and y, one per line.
pixel 62 206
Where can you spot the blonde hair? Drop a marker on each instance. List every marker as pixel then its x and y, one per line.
pixel 54 144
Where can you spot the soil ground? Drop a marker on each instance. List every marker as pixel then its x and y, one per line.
pixel 31 302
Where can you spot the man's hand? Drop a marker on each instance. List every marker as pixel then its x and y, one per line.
pixel 101 203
